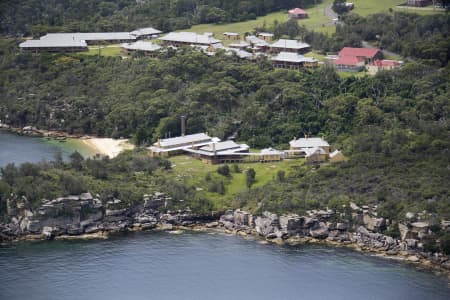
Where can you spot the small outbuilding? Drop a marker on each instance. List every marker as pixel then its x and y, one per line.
pixel 231 36
pixel 265 36
pixel 337 156
pixel 297 13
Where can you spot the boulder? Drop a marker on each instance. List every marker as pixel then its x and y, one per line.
pixel 320 230
pixel 341 226
pixel 374 224
pixel 292 224
pixel 227 216
pixel 267 223
pixel 115 212
pixel 34 226
pixel 242 218
pixel 49 232
pixel 410 215
pixel 92 229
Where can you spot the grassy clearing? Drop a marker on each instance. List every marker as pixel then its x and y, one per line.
pixel 193 172
pixel 368 7
pixel 317 20
pixel 111 50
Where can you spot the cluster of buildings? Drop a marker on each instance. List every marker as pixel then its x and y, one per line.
pixel 211 150
pixel 75 42
pixel 358 59
pixel 283 53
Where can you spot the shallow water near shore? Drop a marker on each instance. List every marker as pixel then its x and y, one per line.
pixel 158 265
pixel 19 149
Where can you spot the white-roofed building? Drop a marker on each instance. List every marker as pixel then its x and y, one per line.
pixel 284 45
pixel 54 45
pixel 176 145
pixel 257 44
pixel 291 60
pixel 220 152
pixel 307 144
pixel 92 37
pixel 270 154
pixel 315 155
pixel 188 38
pixel 146 33
pixel 240 45
pixel 148 48
pixel 265 36
pixel 337 156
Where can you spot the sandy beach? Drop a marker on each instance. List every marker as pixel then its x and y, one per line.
pixel 108 146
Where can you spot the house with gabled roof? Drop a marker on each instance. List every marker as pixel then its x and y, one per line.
pixel 188 38
pixel 289 60
pixel 146 33
pixel 355 59
pixel 176 145
pixel 285 45
pixel 297 13
pixel 220 152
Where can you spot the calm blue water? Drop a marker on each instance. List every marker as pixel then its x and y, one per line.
pixel 151 265
pixel 20 149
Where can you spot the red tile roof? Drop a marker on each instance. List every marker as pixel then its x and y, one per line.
pixel 361 52
pixel 297 11
pixel 349 61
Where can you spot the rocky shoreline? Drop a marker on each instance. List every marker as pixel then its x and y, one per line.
pixel 86 217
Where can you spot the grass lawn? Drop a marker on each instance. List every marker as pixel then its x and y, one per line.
pixel 317 20
pixel 193 172
pixel 110 50
pixel 368 7
pixel 316 55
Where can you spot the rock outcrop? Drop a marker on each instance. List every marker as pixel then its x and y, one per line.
pixel 85 214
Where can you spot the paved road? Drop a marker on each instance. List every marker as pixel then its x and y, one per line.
pixel 329 12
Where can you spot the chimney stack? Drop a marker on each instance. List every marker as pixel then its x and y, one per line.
pixel 183 125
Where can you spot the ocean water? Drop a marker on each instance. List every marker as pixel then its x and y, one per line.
pixel 156 265
pixel 20 149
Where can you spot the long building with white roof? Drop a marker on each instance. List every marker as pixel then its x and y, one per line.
pixel 146 33
pixel 54 45
pixel 78 41
pixel 284 45
pixel 176 145
pixel 292 60
pixel 188 38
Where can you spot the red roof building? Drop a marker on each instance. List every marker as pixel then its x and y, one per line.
pixel 366 53
pixel 354 59
pixel 297 13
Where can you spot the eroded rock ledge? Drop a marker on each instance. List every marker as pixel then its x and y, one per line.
pixel 85 216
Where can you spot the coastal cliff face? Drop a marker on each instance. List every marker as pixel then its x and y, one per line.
pixel 86 215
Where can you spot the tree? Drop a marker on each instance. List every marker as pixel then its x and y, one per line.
pixel 250 177
pixel 224 170
pixel 281 176
pixel 76 160
pixel 339 7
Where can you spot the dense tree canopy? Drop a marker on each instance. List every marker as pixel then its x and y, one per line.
pixel 25 17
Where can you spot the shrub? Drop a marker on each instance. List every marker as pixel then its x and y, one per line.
pixel 224 170
pixel 250 177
